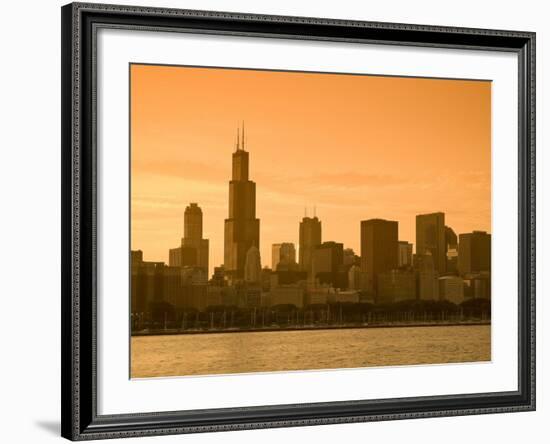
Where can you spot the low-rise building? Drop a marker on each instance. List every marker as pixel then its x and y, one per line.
pixel 319 294
pixel 287 295
pixel 343 297
pixel 396 285
pixel 478 286
pixel 451 288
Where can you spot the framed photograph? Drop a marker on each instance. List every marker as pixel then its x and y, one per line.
pixel 282 221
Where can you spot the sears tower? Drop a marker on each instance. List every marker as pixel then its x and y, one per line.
pixel 242 229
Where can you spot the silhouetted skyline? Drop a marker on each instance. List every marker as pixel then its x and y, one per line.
pixel 396 148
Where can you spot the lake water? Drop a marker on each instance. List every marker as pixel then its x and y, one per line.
pixel 219 353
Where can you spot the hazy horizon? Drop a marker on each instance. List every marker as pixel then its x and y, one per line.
pixel 355 147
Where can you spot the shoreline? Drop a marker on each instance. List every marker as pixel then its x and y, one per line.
pixel 306 328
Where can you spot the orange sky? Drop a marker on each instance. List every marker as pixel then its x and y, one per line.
pixel 357 147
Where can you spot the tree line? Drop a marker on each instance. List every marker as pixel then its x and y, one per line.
pixel 164 316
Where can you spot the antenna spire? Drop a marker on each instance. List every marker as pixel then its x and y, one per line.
pixel 314 211
pixel 237 147
pixel 243 135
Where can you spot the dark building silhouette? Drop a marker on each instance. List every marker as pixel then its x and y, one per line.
pixel 136 257
pixel 194 282
pixel 328 257
pixel 350 258
pixel 183 257
pixel 253 266
pixel 283 254
pixel 153 283
pixel 426 277
pixel 285 277
pixel 242 228
pixel 404 254
pixel 193 251
pixel 328 264
pixel 451 244
pixel 309 239
pixel 379 247
pixel 478 286
pixel 218 277
pixel 451 239
pixel 396 285
pixel 430 238
pixel 474 252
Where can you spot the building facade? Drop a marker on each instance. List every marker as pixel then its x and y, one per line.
pixel 309 239
pixel 193 250
pixel 253 265
pixel 404 254
pixel 242 228
pixel 430 238
pixel 283 254
pixel 328 261
pixel 396 285
pixel 378 249
pixel 451 288
pixel 427 287
pixel 357 279
pixel 474 252
pixel 287 295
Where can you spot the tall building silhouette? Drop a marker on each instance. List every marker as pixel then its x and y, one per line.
pixel 328 257
pixel 242 228
pixel 379 248
pixel 193 251
pixel 431 239
pixel 427 287
pixel 474 252
pixel 309 239
pixel 328 261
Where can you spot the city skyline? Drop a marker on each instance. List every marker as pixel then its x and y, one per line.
pixel 359 180
pixel 436 243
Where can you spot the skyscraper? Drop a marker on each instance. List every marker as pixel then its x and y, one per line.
pixel 378 249
pixel 328 261
pixel 193 251
pixel 404 254
pixel 451 245
pixel 350 258
pixel 427 287
pixel 253 265
pixel 310 238
pixel 474 252
pixel 328 257
pixel 284 254
pixel 396 285
pixel 242 228
pixel 451 240
pixel 430 238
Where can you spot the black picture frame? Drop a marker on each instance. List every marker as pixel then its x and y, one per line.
pixel 80 420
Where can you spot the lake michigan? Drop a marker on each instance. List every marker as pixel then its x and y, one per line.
pixel 245 352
